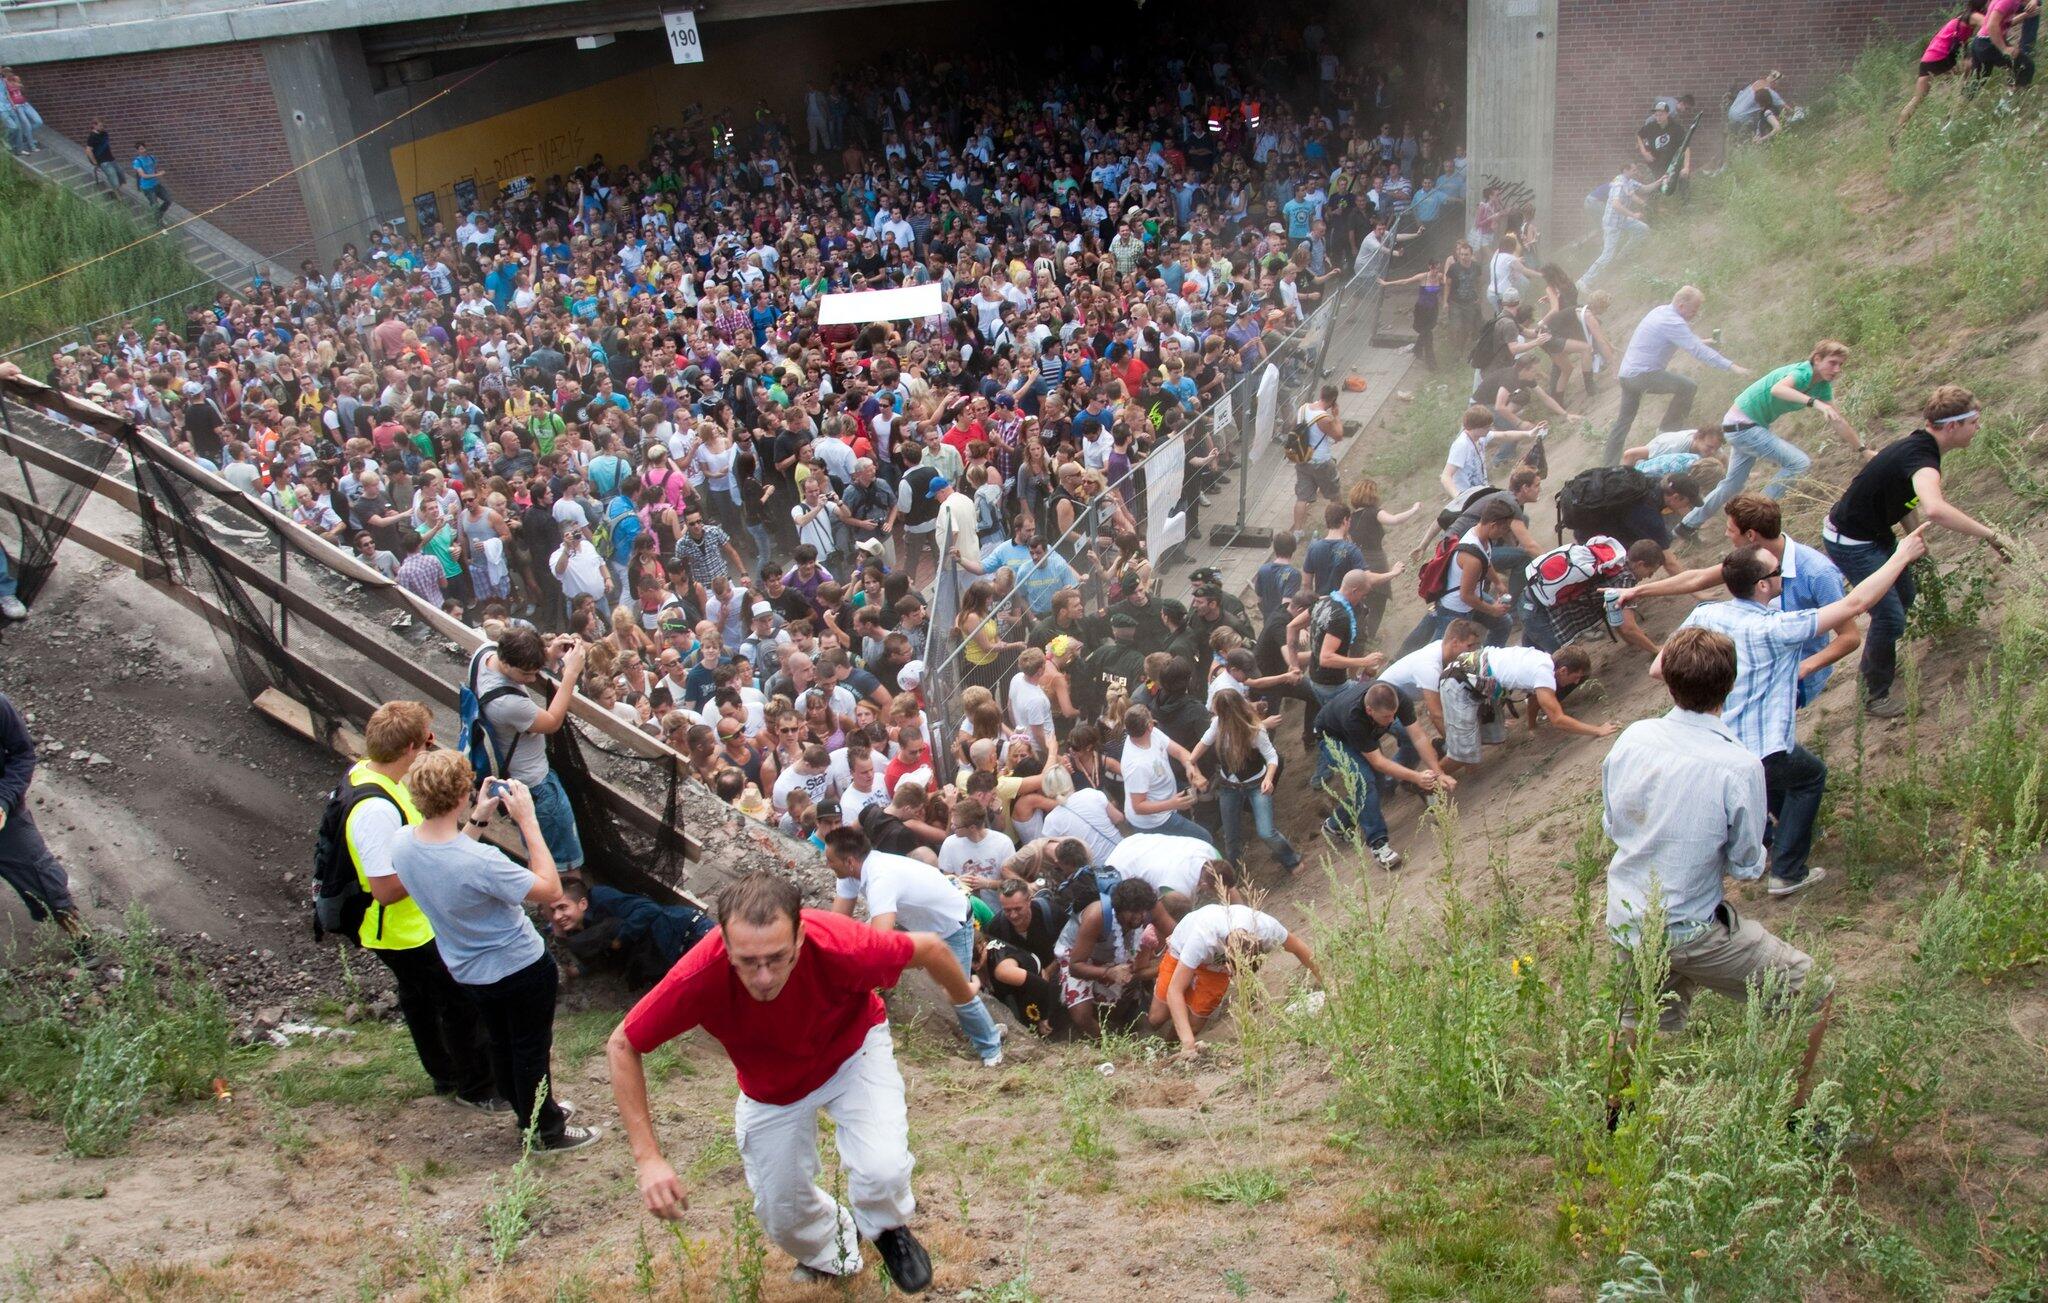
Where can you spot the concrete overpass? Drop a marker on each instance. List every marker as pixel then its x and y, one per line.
pixel 344 99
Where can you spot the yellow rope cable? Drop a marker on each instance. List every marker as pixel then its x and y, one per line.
pixel 226 203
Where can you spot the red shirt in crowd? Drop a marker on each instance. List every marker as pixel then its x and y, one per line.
pixel 787 1047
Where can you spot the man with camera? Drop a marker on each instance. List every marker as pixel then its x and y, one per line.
pixel 580 570
pixel 500 674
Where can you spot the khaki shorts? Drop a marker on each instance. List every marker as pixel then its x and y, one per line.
pixel 1314 479
pixel 1732 957
pixel 1464 736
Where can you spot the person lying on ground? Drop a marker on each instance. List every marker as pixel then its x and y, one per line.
pixel 916 895
pixel 1017 978
pixel 602 926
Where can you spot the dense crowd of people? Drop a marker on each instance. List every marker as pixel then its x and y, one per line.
pixel 604 425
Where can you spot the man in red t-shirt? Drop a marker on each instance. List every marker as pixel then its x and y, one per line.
pixel 790 993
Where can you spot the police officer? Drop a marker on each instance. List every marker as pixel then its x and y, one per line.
pixel 1116 667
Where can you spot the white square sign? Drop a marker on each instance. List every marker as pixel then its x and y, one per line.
pixel 684 45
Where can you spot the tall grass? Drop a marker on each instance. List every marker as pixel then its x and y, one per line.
pixel 45 228
pixel 98 1054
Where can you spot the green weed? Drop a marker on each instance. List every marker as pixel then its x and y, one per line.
pixel 508 1215
pixel 743 1266
pixel 1247 1187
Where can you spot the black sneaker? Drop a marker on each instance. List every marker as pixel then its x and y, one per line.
pixel 910 1267
pixel 566 1139
pixel 486 1103
pixel 1685 534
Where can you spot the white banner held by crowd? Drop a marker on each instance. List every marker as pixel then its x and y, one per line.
pixel 1269 397
pixel 684 45
pixel 1164 472
pixel 859 307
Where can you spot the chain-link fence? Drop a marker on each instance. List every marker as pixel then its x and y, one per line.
pixel 1246 423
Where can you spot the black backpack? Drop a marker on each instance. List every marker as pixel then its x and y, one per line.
pixel 339 902
pixel 1487 350
pixel 1591 501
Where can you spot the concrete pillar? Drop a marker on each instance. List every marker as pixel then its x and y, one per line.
pixel 1511 98
pixel 321 83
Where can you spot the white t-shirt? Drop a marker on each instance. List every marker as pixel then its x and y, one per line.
pixel 1148 772
pixel 982 858
pixel 1029 706
pixel 584 575
pixel 1417 672
pixel 1087 815
pixel 852 800
pixel 817 786
pixel 916 893
pixel 1169 863
pixel 1468 463
pixel 1669 442
pixel 1519 669
pixel 1198 940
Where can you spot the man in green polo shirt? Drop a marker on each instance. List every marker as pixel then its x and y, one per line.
pixel 443 1022
pixel 1747 427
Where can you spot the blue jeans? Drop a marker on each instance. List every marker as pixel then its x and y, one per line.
pixel 1231 803
pixel 1613 241
pixel 557 821
pixel 1746 447
pixel 974 1016
pixel 1858 562
pixel 1179 825
pixel 1358 800
pixel 1793 784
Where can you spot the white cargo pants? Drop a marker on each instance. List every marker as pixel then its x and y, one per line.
pixel 779 1148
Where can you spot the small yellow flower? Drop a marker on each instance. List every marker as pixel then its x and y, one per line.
pixel 1520 964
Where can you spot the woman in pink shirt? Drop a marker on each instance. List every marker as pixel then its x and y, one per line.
pixel 1942 53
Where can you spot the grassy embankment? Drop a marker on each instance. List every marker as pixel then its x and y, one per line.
pixel 45 228
pixel 1438 1129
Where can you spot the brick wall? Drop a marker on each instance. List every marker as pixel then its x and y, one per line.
pixel 1615 56
pixel 208 115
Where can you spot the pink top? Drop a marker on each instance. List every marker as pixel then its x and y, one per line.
pixel 1953 33
pixel 1997 16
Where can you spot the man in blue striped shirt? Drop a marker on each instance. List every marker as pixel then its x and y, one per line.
pixel 1769 648
pixel 1810 582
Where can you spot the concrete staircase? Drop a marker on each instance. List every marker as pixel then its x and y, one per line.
pixel 228 261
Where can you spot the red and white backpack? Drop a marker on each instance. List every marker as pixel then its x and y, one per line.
pixel 1565 574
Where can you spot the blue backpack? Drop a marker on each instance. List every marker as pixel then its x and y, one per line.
pixel 478 741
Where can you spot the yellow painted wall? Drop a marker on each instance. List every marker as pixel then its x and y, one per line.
pixel 611 118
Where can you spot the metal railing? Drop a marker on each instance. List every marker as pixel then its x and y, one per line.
pixel 1299 366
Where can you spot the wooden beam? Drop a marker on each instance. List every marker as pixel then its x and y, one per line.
pixel 309 544
pixel 623 805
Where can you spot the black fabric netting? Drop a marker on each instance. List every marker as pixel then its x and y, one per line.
pixel 46 504
pixel 180 538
